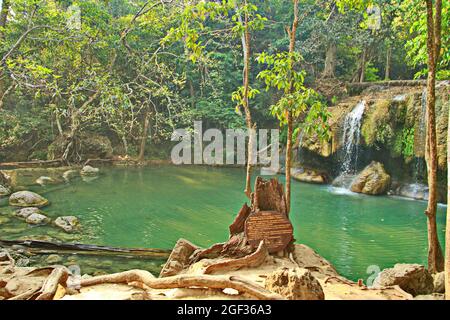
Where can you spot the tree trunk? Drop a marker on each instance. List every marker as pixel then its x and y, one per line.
pixel 4 16
pixel 292 34
pixel 447 229
pixel 363 65
pixel 330 61
pixel 435 256
pixel 387 71
pixel 248 117
pixel 144 137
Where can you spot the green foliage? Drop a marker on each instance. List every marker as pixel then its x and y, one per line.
pixel 404 142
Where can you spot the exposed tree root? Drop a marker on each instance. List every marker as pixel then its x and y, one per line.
pixel 185 281
pixel 59 275
pixel 250 261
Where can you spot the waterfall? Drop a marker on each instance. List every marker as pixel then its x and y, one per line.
pixel 421 134
pixel 351 139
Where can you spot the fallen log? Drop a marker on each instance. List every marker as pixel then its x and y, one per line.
pixel 32 164
pixel 185 281
pixel 45 247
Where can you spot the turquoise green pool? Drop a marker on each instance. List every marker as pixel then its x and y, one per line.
pixel 155 206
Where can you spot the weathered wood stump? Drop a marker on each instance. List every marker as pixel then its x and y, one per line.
pixel 259 229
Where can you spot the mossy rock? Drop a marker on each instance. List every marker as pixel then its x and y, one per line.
pixel 27 199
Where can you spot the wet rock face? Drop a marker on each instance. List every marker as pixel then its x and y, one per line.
pixel 373 180
pixel 68 223
pixel 413 278
pixel 295 284
pixel 27 199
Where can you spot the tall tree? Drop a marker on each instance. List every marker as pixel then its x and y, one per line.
pixel 447 229
pixel 292 34
pixel 434 27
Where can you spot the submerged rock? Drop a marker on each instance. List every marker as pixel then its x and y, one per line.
pixel 26 212
pixel 4 191
pixel 295 284
pixel 54 259
pixel 413 278
pixel 37 218
pixel 89 171
pixel 27 199
pixel 68 223
pixel 3 220
pixel 372 180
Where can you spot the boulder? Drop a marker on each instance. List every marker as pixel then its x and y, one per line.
pixel 89 171
pixel 27 199
pixel 26 212
pixel 439 282
pixel 412 278
pixel 295 284
pixel 372 180
pixel 68 223
pixel 37 218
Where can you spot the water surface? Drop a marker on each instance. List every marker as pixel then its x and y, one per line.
pixel 155 206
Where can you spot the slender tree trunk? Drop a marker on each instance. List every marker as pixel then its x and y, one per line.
pixel 387 71
pixel 144 137
pixel 330 61
pixel 447 229
pixel 4 16
pixel 292 33
pixel 363 65
pixel 435 256
pixel 248 117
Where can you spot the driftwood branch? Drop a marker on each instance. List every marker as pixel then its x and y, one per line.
pixel 185 281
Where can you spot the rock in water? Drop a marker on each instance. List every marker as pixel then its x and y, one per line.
pixel 295 284
pixel 43 181
pixel 68 223
pixel 89 171
pixel 372 180
pixel 27 199
pixel 4 191
pixel 37 218
pixel 413 278
pixel 309 176
pixel 70 174
pixel 26 212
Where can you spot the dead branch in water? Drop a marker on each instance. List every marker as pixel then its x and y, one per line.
pixel 185 281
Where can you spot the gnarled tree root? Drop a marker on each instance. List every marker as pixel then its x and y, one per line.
pixel 250 261
pixel 185 281
pixel 59 275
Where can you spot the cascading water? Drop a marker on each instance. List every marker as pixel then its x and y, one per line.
pixel 351 139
